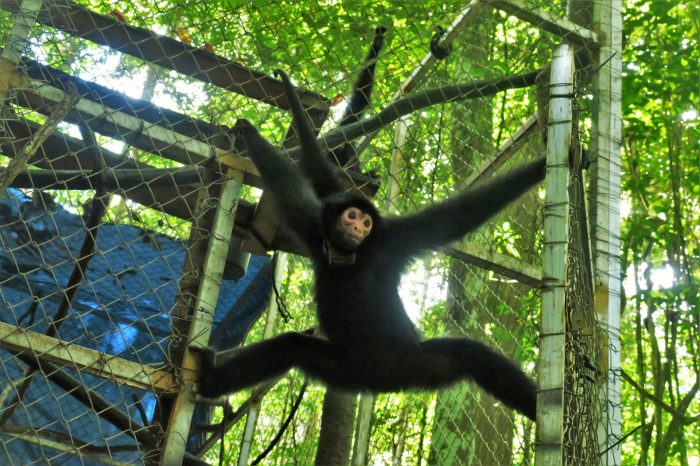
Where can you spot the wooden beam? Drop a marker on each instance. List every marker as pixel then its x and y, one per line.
pixel 65 354
pixel 200 321
pixel 61 152
pixel 111 99
pixel 118 125
pixel 605 171
pixel 501 264
pixel 109 179
pixel 548 21
pixel 75 19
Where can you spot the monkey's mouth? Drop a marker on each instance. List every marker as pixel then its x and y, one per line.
pixel 354 239
pixel 352 242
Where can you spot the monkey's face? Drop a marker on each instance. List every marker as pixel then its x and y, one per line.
pixel 352 227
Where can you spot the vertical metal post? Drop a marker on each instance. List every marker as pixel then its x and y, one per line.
pixel 606 136
pixel 364 416
pixel 392 192
pixel 549 447
pixel 366 405
pixel 272 312
pixel 202 317
pixel 247 440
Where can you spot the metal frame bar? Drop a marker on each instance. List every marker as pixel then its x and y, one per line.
pixel 202 318
pixel 606 139
pixel 549 442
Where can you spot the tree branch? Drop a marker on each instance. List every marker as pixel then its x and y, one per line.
pixel 669 409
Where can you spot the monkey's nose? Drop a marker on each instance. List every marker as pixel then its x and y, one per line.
pixel 358 230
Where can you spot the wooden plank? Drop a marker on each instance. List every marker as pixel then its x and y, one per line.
pixel 144 110
pixel 43 437
pixel 73 356
pixel 549 447
pixel 548 21
pixel 109 179
pixel 501 264
pixel 119 125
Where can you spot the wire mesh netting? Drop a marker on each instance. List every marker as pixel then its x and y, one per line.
pixel 116 139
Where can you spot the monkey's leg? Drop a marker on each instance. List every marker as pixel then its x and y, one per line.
pixel 444 361
pixel 232 370
pixel 492 371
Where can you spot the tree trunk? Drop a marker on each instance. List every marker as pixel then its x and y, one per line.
pixel 337 424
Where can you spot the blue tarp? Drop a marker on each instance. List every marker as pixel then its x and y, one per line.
pixel 122 308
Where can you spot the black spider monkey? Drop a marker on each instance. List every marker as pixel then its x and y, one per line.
pixel 358 256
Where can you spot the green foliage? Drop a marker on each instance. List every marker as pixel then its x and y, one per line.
pixel 322 45
pixel 660 232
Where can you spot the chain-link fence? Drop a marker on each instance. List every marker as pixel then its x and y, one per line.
pixel 132 225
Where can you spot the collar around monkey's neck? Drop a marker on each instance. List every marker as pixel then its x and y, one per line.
pixel 335 257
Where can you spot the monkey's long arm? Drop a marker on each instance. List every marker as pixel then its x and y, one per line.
pixel 295 199
pixel 453 218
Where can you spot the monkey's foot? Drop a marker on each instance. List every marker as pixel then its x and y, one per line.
pixel 206 355
pixel 215 400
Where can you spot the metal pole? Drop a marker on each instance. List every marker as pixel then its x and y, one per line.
pixel 202 316
pixel 606 137
pixel 549 443
pixel 251 420
pixel 366 408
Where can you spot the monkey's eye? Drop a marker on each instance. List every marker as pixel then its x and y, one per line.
pixel 352 215
pixel 368 223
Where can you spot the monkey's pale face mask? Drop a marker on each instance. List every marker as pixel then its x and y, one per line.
pixel 354 226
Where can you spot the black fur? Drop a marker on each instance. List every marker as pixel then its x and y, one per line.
pixel 369 342
pixel 439 51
